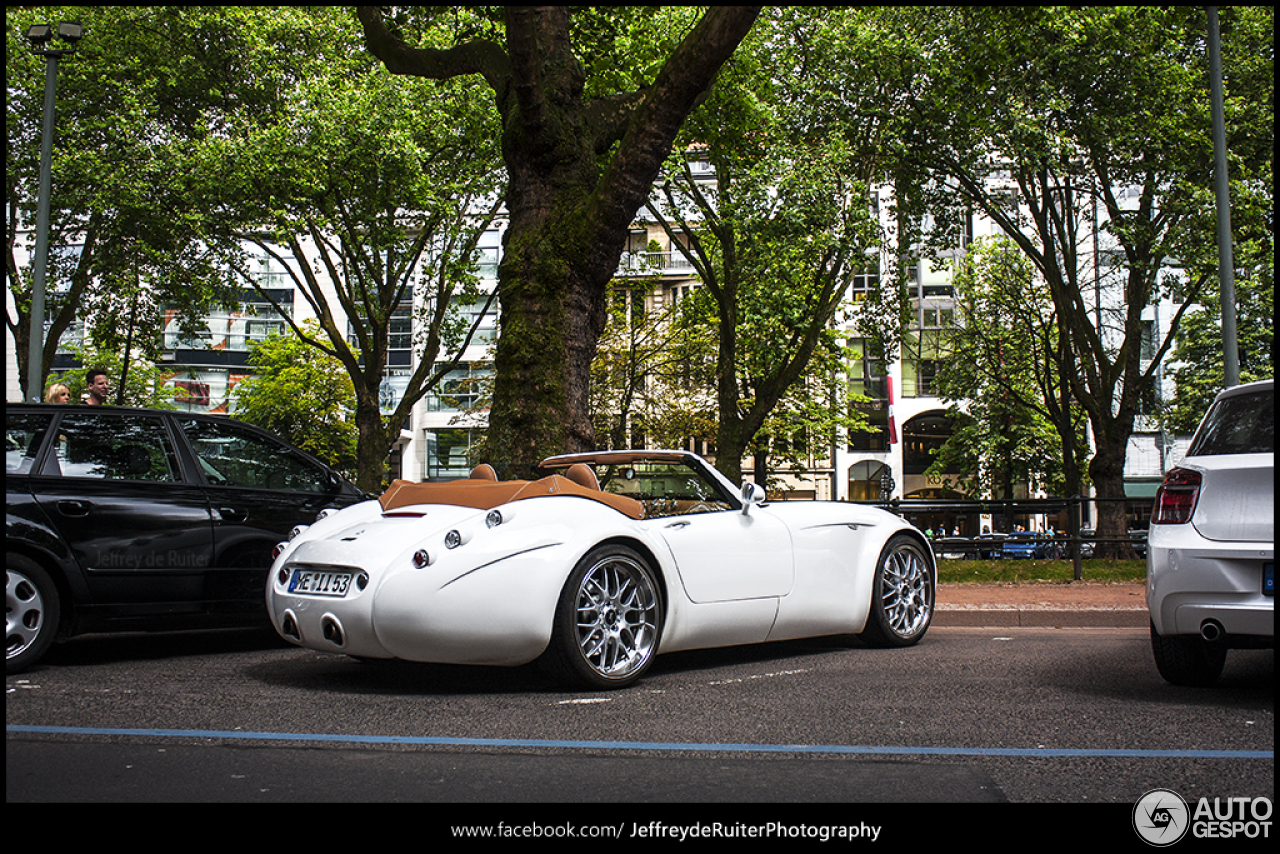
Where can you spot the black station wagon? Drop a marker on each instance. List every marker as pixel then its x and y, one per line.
pixel 124 519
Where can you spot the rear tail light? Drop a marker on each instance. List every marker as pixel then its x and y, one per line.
pixel 1176 498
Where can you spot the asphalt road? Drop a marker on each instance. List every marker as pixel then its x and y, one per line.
pixel 970 716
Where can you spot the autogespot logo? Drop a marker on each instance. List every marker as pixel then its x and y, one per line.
pixel 1161 817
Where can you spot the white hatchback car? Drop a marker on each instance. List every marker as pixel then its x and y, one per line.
pixel 1211 552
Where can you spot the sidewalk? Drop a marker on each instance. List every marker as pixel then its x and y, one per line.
pixel 1080 604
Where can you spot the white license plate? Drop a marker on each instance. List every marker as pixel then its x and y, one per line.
pixel 315 582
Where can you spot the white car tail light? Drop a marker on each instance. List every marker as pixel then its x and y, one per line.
pixel 1176 498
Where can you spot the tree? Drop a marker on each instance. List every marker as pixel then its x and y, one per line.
pixel 582 146
pixel 1197 368
pixel 1073 139
pixel 145 84
pixel 778 236
pixel 641 376
pixel 388 185
pixel 999 364
pixel 304 396
pixel 775 245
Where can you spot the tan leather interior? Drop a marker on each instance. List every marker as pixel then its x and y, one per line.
pixel 581 474
pixel 486 494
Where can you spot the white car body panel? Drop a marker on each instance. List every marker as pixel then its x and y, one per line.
pixel 1208 570
pixel 1242 509
pixel 778 571
pixel 728 556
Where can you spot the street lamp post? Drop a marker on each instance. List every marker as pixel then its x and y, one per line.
pixel 1222 192
pixel 40 36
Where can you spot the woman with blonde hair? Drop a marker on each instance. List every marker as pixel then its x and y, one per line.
pixel 57 393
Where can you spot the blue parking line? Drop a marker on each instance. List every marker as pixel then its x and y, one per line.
pixel 846 749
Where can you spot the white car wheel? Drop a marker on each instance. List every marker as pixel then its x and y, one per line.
pixel 902 598
pixel 608 621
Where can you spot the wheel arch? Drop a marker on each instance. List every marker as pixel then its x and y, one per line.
pixel 645 551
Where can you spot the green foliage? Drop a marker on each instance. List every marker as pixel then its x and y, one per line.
pixel 1198 367
pixel 145 87
pixel 302 395
pixel 992 362
pixel 778 237
pixel 1048 120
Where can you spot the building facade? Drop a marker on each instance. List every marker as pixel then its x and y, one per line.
pixel 907 419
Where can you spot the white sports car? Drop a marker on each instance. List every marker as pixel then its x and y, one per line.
pixel 594 569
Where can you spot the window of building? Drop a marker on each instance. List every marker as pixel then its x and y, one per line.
pixel 865 480
pixel 461 389
pixel 922 437
pixel 449 453
pixel 868 386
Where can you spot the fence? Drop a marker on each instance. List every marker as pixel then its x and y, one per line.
pixel 1037 528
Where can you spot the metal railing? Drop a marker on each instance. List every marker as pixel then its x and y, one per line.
pixel 1074 541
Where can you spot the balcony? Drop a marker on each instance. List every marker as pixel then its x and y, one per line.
pixel 654 263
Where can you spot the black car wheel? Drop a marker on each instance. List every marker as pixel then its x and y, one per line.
pixel 902 595
pixel 1188 659
pixel 31 613
pixel 608 621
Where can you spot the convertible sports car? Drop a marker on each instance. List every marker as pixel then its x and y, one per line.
pixel 596 568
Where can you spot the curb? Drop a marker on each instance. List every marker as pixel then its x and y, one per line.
pixel 1017 616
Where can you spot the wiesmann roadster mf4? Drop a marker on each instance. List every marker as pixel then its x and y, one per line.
pixel 596 568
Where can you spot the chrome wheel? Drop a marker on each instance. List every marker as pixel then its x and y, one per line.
pixel 903 594
pixel 617 616
pixel 31 613
pixel 23 613
pixel 609 620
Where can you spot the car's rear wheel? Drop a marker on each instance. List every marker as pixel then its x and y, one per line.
pixel 608 621
pixel 902 594
pixel 1188 659
pixel 31 613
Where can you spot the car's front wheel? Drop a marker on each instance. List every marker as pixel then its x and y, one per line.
pixel 608 621
pixel 902 594
pixel 31 613
pixel 1188 659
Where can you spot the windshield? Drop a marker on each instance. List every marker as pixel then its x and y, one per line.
pixel 666 487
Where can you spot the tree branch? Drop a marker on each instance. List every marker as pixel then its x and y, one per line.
pixel 477 57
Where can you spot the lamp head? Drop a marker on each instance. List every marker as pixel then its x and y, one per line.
pixel 39 34
pixel 70 31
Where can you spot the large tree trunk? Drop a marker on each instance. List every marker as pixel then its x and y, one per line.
pixel 553 314
pixel 1106 469
pixel 569 215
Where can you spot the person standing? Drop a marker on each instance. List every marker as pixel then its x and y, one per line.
pixel 97 387
pixel 57 393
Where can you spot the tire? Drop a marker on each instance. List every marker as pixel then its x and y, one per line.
pixel 608 621
pixel 1188 660
pixel 902 595
pixel 32 611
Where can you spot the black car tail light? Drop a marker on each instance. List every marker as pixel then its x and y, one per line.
pixel 1176 498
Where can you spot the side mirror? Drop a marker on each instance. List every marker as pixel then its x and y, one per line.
pixel 752 494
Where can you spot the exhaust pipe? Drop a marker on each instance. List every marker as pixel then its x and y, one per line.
pixel 1211 630
pixel 332 630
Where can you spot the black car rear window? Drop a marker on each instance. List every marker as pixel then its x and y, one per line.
pixel 23 432
pixel 1244 424
pixel 111 446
